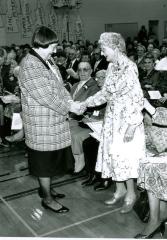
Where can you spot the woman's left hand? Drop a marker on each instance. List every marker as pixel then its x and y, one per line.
pixel 129 134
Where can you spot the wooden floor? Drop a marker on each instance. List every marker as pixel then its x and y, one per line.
pixel 21 213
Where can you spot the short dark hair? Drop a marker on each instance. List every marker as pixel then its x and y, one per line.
pixel 43 37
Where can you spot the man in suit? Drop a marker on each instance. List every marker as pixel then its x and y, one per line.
pixel 99 62
pixel 72 66
pixel 86 87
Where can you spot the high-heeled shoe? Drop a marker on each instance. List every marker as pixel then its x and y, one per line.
pixel 57 195
pixel 128 206
pixel 114 200
pixel 63 209
pixel 160 229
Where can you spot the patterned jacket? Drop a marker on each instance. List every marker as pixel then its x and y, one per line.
pixel 44 104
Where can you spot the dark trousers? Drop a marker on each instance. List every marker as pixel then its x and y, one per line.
pixel 90 149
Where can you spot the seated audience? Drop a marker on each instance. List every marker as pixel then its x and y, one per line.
pixel 86 87
pixel 152 172
pixel 91 144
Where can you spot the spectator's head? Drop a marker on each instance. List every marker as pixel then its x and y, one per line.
pixel 45 40
pixel 140 50
pixel 85 57
pixel 163 51
pixel 97 53
pixel 60 58
pixel 150 47
pixel 84 71
pixel 3 55
pixel 132 56
pixel 100 77
pixel 72 54
pixel 149 62
pixel 156 53
pixel 11 55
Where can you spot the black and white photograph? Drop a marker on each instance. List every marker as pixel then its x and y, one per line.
pixel 83 119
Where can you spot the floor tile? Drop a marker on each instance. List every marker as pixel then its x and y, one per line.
pixel 10 225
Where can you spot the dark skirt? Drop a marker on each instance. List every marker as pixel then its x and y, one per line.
pixel 50 163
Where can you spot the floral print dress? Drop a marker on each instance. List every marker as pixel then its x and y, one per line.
pixel 124 97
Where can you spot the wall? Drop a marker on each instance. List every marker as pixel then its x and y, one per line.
pixel 96 13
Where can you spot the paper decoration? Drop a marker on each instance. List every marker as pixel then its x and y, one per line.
pixel 79 29
pixel 11 17
pixel 39 15
pixel 65 29
pixel 1 21
pixel 53 21
pixel 65 3
pixel 26 22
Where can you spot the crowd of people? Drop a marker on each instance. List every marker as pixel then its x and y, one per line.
pixel 66 91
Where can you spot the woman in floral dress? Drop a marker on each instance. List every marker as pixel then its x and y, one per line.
pixel 122 144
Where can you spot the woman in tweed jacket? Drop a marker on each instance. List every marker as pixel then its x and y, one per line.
pixel 45 107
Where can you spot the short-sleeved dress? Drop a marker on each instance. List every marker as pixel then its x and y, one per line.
pixel 124 97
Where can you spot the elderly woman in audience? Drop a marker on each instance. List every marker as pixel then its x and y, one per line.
pixel 148 75
pixel 152 171
pixel 86 87
pixel 140 55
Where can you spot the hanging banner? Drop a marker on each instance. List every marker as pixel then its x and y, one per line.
pixel 65 3
pixel 79 29
pixel 11 17
pixel 53 21
pixel 26 21
pixel 65 28
pixel 1 21
pixel 39 15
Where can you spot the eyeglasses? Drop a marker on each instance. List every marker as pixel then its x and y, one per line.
pixel 83 69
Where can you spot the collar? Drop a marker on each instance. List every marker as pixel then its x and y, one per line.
pixel 34 53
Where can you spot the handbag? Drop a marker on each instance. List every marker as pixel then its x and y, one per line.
pixel 141 206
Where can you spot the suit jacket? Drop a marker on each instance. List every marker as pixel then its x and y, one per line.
pixel 103 64
pixel 75 68
pixel 44 105
pixel 87 90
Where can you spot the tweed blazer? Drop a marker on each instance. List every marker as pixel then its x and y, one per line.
pixel 44 105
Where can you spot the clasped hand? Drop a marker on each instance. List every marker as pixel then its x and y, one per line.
pixel 77 107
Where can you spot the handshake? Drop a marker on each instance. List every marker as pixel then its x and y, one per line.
pixel 77 107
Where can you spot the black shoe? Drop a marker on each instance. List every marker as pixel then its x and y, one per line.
pixel 103 185
pixel 5 143
pixel 160 229
pixel 90 181
pixel 57 195
pixel 63 209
